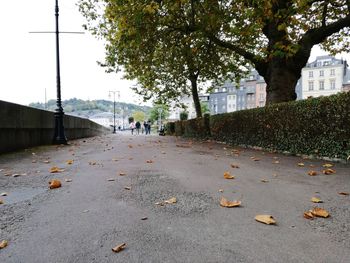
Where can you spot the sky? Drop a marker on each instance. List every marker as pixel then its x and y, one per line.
pixel 28 61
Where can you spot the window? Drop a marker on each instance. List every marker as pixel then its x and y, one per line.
pixel 223 99
pixel 261 96
pixel 229 106
pixel 321 73
pixel 311 85
pixel 311 74
pixel 332 84
pixel 216 90
pixel 332 72
pixel 223 89
pixel 321 85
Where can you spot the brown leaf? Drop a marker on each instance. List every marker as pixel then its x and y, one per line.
pixel 54 184
pixel 227 175
pixel 127 188
pixel 3 194
pixel 234 165
pixel 3 244
pixel 130 146
pixel 226 203
pixel 320 212
pixel 276 162
pixel 92 162
pixel 308 215
pixel 264 181
pixel 255 159
pixel 221 190
pixel 55 169
pixel 144 218
pixel 266 219
pixel 149 161
pixel 1 202
pixel 111 179
pixel 119 248
pixel 343 193
pixel 301 164
pixel 70 162
pixel 171 201
pixel 46 161
pixel 316 200
pixel 312 173
pixel 122 173
pixel 68 180
pixel 327 165
pixel 328 171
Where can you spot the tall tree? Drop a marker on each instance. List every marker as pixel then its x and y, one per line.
pixel 168 63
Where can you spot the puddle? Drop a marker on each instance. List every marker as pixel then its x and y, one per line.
pixel 20 194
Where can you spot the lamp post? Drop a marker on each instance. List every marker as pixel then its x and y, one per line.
pixel 109 94
pixel 160 110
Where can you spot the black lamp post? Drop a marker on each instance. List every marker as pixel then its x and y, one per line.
pixel 114 92
pixel 59 136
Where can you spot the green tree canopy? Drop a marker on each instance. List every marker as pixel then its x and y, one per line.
pixel 155 112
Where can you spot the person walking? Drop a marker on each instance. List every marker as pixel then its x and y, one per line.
pixel 145 126
pixel 132 127
pixel 149 127
pixel 138 126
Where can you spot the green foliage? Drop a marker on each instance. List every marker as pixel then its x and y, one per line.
pixel 131 119
pixel 205 108
pixel 183 115
pixel 170 128
pixel 139 116
pixel 318 126
pixel 154 113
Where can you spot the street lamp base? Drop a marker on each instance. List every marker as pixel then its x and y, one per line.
pixel 59 136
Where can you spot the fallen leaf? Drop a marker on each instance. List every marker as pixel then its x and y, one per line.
pixel 130 146
pixel 122 173
pixel 119 248
pixel 227 175
pixel 3 244
pixel 171 201
pixel 316 200
pixel 328 171
pixel 234 165
pixel 85 211
pixel 226 203
pixel 68 180
pixel 308 215
pixel 55 169
pixel 255 159
pixel 127 188
pixel 116 160
pixel 54 184
pixel 328 165
pixel 46 161
pixel 70 162
pixel 16 175
pixel 92 163
pixel 312 173
pixel 221 190
pixel 111 179
pixel 3 194
pixel 149 161
pixel 1 202
pixel 301 164
pixel 163 152
pixel 343 193
pixel 159 203
pixel 144 218
pixel 34 161
pixel 264 181
pixel 274 175
pixel 311 165
pixel 266 219
pixel 320 212
pixel 276 162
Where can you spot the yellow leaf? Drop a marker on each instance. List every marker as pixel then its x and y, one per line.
pixel 328 165
pixel 320 212
pixel 55 169
pixel 316 200
pixel 266 219
pixel 226 203
pixel 70 162
pixel 119 248
pixel 301 164
pixel 227 175
pixel 3 244
pixel 312 173
pixel 171 201
pixel 308 215
pixel 328 171
pixel 54 184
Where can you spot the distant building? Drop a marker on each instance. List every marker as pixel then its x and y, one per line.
pixel 187 101
pixel 218 99
pixel 323 77
pixel 106 119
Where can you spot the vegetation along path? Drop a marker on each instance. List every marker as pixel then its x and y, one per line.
pixel 161 197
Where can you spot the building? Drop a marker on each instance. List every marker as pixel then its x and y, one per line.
pixel 323 77
pixel 106 119
pixel 218 99
pixel 187 101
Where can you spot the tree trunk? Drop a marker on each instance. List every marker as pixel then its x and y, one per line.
pixel 194 91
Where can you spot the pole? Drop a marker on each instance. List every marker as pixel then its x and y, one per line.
pixel 114 104
pixel 114 131
pixel 59 136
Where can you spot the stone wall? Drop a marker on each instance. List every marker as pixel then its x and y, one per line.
pixel 22 127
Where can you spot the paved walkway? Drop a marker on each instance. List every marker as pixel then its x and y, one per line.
pixel 101 208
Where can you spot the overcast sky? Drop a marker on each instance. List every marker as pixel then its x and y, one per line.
pixel 27 61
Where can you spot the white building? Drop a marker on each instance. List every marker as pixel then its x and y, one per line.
pixel 323 77
pixel 187 101
pixel 106 119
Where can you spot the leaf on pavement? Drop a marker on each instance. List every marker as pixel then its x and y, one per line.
pixel 130 146
pixel 343 193
pixel 1 202
pixel 55 169
pixel 171 201
pixel 234 165
pixel 264 181
pixel 46 161
pixel 70 162
pixel 328 165
pixel 276 162
pixel 266 219
pixel 144 218
pixel 54 184
pixel 316 200
pixel 127 188
pixel 226 203
pixel 308 215
pixel 3 244
pixel 227 175
pixel 3 194
pixel 119 248
pixel 149 161
pixel 122 173
pixel 320 212
pixel 328 171
pixel 255 159
pixel 110 179
pixel 68 180
pixel 301 164
pixel 312 173
pixel 221 190
pixel 92 162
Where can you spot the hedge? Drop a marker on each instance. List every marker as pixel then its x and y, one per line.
pixel 318 126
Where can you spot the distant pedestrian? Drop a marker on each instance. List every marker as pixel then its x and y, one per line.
pixel 132 127
pixel 145 126
pixel 149 127
pixel 138 126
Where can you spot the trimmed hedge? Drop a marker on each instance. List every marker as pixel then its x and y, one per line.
pixel 170 128
pixel 198 128
pixel 318 126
